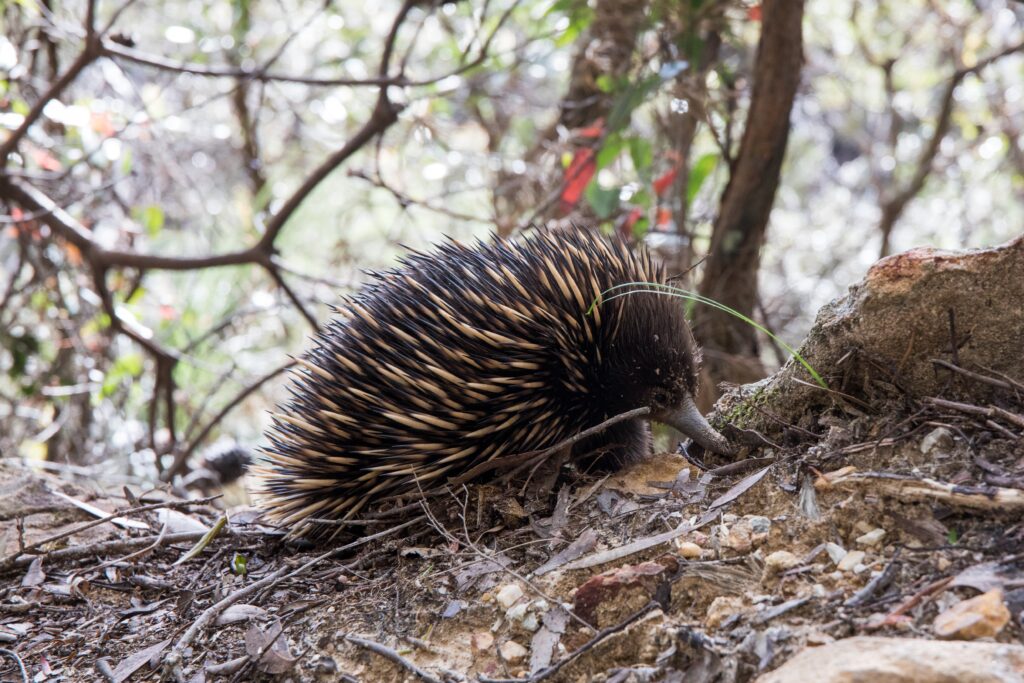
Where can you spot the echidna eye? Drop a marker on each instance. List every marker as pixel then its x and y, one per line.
pixel 660 396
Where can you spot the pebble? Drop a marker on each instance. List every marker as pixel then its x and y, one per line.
pixel 983 616
pixel 482 641
pixel 779 561
pixel 721 608
pixel 940 437
pixel 690 550
pixel 835 552
pixel 851 560
pixel 872 537
pixel 511 651
pixel 508 595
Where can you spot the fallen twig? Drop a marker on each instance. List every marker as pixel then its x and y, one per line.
pixel 17 660
pixel 172 660
pixel 639 545
pixel 12 559
pixel 601 635
pixel 991 411
pixel 387 652
pixel 908 488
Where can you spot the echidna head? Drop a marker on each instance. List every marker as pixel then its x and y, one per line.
pixel 652 361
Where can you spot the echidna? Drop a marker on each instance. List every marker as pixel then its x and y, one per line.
pixel 472 353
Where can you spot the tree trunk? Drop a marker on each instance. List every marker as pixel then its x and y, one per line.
pixel 731 268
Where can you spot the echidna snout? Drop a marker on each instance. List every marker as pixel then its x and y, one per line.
pixel 471 353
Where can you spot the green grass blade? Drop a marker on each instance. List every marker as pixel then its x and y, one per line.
pixel 656 288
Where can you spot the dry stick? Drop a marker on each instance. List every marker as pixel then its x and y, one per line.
pixel 80 551
pixel 138 553
pixel 387 652
pixel 17 660
pixel 87 56
pixel 173 658
pixel 449 536
pixel 991 411
pixel 11 559
pixel 985 379
pixel 550 671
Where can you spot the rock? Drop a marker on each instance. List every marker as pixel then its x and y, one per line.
pixel 508 594
pixel 871 538
pixel 903 297
pixel 983 616
pixel 850 561
pixel 689 550
pixel 610 597
pixel 902 660
pixel 780 561
pixel 940 438
pixel 750 531
pixel 835 552
pixel 511 651
pixel 482 640
pixel 721 608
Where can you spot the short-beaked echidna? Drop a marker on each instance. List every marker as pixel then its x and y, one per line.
pixel 471 353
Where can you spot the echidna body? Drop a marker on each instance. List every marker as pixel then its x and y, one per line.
pixel 472 353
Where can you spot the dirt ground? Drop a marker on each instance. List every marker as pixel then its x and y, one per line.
pixel 890 503
pixel 752 570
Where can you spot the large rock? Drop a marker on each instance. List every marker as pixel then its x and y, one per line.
pixel 888 328
pixel 903 660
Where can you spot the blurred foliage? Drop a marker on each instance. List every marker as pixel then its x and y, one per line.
pixel 161 161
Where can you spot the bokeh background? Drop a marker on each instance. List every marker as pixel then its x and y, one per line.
pixel 186 126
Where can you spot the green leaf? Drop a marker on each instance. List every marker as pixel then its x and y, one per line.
pixel 238 564
pixel 126 160
pixel 642 154
pixel 631 98
pixel 699 173
pixel 641 228
pixel 685 294
pixel 641 198
pixel 604 202
pixel 605 83
pixel 152 219
pixel 610 151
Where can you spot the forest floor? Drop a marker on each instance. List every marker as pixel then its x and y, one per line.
pixel 888 505
pixel 671 564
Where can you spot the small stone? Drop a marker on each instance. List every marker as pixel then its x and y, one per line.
pixel 721 608
pixel 739 539
pixel 508 595
pixel 850 560
pixel 482 641
pixel 759 524
pixel 689 550
pixel 943 563
pixel 983 616
pixel 939 438
pixel 780 561
pixel 872 537
pixel 530 622
pixel 835 552
pixel 863 527
pixel 516 612
pixel 902 660
pixel 819 591
pixel 511 651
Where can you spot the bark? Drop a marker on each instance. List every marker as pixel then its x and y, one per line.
pixel 731 269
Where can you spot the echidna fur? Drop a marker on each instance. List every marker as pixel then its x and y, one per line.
pixel 471 353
